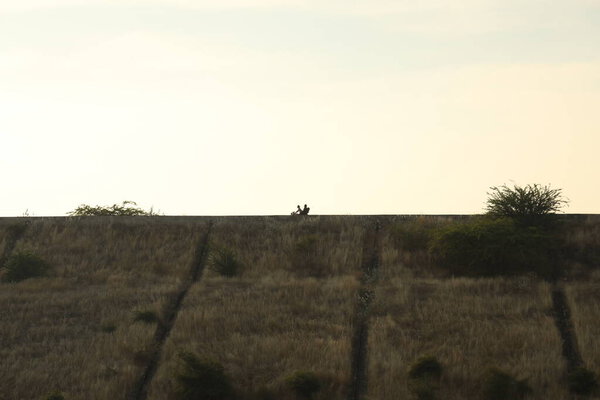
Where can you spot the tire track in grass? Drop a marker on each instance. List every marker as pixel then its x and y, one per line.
pixel 370 264
pixel 562 318
pixel 140 391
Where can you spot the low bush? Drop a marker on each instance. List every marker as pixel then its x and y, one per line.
pixel 495 246
pixel 56 395
pixel 499 385
pixel 304 384
pixel 147 316
pixel 426 367
pixel 412 235
pixel 225 262
pixel 198 379
pixel 307 258
pixel 24 265
pixel 422 389
pixel 125 209
pixel 582 381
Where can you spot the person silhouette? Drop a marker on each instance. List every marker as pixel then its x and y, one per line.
pixel 298 211
pixel 305 210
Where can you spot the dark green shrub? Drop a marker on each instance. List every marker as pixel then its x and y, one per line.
pixel 147 316
pixel 304 384
pixel 125 209
pixel 24 265
pixel 307 258
pixel 499 385
pixel 412 235
pixel 225 262
pixel 56 395
pixel 426 367
pixel 495 246
pixel 529 204
pixel 199 379
pixel 582 381
pixel 422 389
pixel 108 327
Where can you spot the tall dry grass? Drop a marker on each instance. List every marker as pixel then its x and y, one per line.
pixel 468 324
pixel 584 300
pixel 56 330
pixel 273 320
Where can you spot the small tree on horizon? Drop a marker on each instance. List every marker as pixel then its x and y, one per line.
pixel 524 203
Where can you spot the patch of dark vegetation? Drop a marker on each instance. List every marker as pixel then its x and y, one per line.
pixel 583 382
pixel 24 265
pixel 304 384
pixel 499 385
pixel 307 257
pixel 424 376
pixel 225 262
pixel 14 232
pixel 56 395
pixel 146 316
pixel 108 327
pixel 412 235
pixel 198 379
pixel 489 246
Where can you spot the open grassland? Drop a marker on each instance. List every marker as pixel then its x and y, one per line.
pixel 290 305
pixel 469 325
pixel 585 309
pixel 74 330
pixel 290 308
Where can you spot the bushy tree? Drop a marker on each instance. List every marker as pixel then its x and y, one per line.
pixel 125 209
pixel 525 204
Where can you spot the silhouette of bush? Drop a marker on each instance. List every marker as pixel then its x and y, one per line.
pixel 304 384
pixel 495 246
pixel 225 262
pixel 147 316
pixel 125 209
pixel 426 367
pixel 499 385
pixel 24 265
pixel 198 379
pixel 582 381
pixel 529 204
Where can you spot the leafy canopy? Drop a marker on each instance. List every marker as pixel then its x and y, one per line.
pixel 125 209
pixel 524 202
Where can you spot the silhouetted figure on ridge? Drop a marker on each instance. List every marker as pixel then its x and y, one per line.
pixel 305 210
pixel 298 211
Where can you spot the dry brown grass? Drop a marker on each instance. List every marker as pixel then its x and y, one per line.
pixel 468 324
pixel 54 329
pixel 271 321
pixel 584 300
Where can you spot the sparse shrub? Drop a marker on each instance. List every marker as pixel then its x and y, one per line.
pixel 422 389
pixel 307 258
pixel 582 381
pixel 24 265
pixel 495 246
pixel 108 327
pixel 426 367
pixel 199 379
pixel 225 262
pixel 125 209
pixel 499 385
pixel 147 316
pixel 56 395
pixel 413 235
pixel 528 204
pixel 304 383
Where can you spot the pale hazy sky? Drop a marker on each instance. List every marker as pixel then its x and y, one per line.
pixel 232 107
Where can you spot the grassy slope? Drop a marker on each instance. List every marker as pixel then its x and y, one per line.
pixel 54 328
pixel 273 319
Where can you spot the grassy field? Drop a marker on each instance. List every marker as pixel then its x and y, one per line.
pixel 290 306
pixel 74 330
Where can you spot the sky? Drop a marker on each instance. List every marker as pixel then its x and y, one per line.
pixel 250 107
